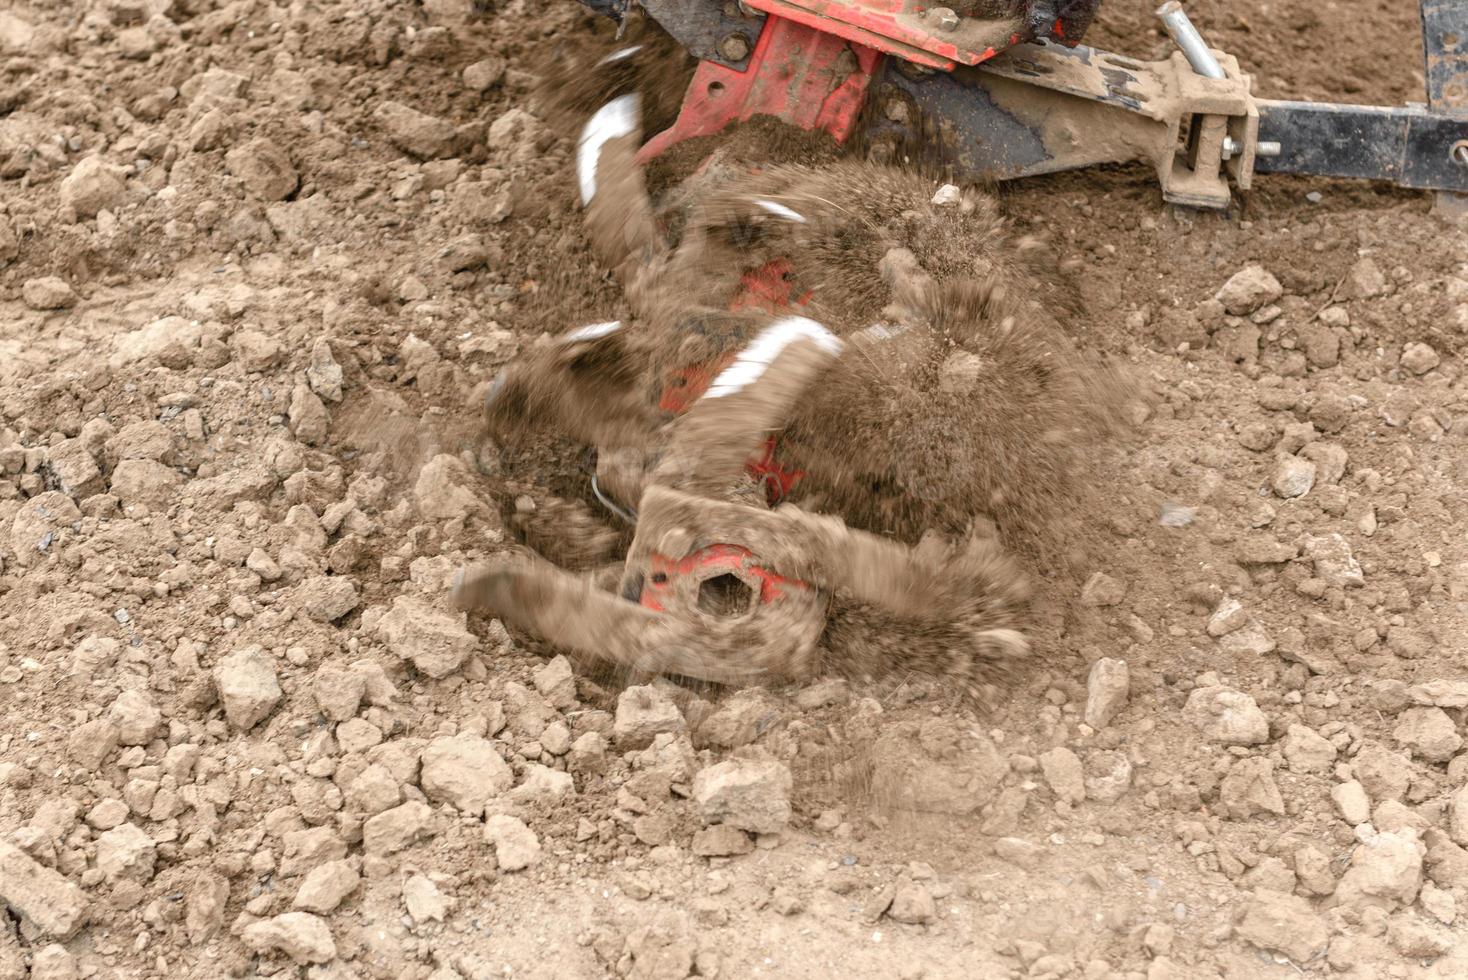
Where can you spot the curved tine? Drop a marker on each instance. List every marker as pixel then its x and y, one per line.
pixel 751 398
pixel 619 215
pixel 567 610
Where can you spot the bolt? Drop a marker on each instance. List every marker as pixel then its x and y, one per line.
pixel 896 110
pixel 734 47
pixel 1459 153
pixel 945 18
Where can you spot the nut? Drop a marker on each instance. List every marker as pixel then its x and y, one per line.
pixel 945 19
pixel 734 47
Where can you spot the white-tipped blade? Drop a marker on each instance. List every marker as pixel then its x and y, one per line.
pixel 617 118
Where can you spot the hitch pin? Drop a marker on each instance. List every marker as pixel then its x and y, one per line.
pixel 1180 28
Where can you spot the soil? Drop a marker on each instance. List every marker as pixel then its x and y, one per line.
pixel 257 265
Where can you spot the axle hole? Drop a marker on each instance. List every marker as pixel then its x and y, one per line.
pixel 1459 153
pixel 725 596
pixel 715 88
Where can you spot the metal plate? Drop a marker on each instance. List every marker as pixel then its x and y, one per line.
pixel 1407 146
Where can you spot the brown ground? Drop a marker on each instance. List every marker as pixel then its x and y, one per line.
pixel 189 517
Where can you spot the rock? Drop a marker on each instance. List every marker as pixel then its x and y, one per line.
pixel 1428 733
pixel 254 350
pixel 92 186
pixel 302 936
pixel 643 713
pixel 1334 563
pixel 1365 280
pixel 543 785
pixel 1443 694
pixel 484 75
pixel 90 744
pixel 1107 690
pixel 374 790
pixel 935 767
pixel 721 840
pixel 324 374
pixel 556 683
pixel 1226 716
pixel 1108 776
pixel 749 794
pixel 392 830
pixel 515 845
pixel 74 468
pixel 1386 774
pixel 1457 823
pixel 338 692
pixel 1438 903
pixel 1283 924
pixel 443 489
pixel 424 902
pixel 742 717
pixel 1249 289
pixel 1102 590
pixel 1352 802
pixel 1385 870
pixel 1249 789
pixel 1293 476
pixel 48 293
pixel 1419 358
pixel 1313 870
pixel 40 896
pixel 305 849
pixel 1417 938
pixel 326 886
pixel 135 717
pixel 465 770
pixel 308 417
pixel 264 169
pixel 1307 751
pixel 912 903
pixel 1019 852
pixel 107 814
pixel 662 949
pixel 1251 641
pixel 327 598
pixel 1064 773
pixel 435 642
pixel 204 902
pixel 144 481
pixel 424 136
pixel 1228 617
pixel 248 687
pixel 38 521
pixel 126 852
pixel 54 962
pixel 1270 874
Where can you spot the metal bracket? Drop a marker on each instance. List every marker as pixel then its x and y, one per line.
pixel 1445 52
pixel 723 31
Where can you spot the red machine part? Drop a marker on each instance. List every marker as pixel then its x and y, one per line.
pixel 709 562
pixel 905 28
pixel 796 73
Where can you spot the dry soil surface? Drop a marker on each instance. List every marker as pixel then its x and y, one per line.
pixel 254 261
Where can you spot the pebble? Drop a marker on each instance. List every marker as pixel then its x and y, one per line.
pixel 1428 733
pixel 135 717
pixel 465 770
pixel 1107 691
pixel 1250 789
pixel 1248 289
pixel 1293 476
pixel 1307 751
pixel 1351 802
pixel 1333 561
pixel 392 830
pixel 326 886
pixel 515 845
pixel 1419 358
pixel 912 903
pixel 304 937
pixel 1386 868
pixel 93 185
pixel 424 136
pixel 437 643
pixel 1102 590
pixel 1019 852
pixel 747 794
pixel 644 712
pixel 248 687
pixel 1064 773
pixel 1226 716
pixel 40 896
pixel 264 169
pixel 1284 924
pixel 1228 617
pixel 48 293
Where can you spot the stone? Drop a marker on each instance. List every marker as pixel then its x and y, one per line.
pixel 1438 903
pixel 48 293
pixel 1385 870
pixel 1284 924
pixel 1019 852
pixel 1251 641
pixel 1442 693
pixel 437 643
pixel 303 937
pixel 90 744
pixel 1270 874
pixel 1102 590
pixel 1415 937
pixel 424 902
pixel 326 886
pixel 912 903
pixel 338 692
pixel 41 897
pixel 1333 561
pixel 1248 289
pixel 465 770
pixel 38 521
pixel 556 683
pixel 749 794
pixel 324 374
pixel 1313 870
pixel 543 785
pixel 327 598
pixel 75 469
pixel 1293 476
pixel 135 717
pixel 1419 358
pixel 1250 789
pixel 107 814
pixel 484 75
pixel 1351 802
pixel 126 852
pixel 417 133
pixel 204 903
pixel 443 489
pixel 1457 823
pixel 935 767
pixel 515 845
pixel 1307 751
pixel 1226 716
pixel 53 962
pixel 643 713
pixel 392 830
pixel 308 417
pixel 1365 280
pixel 1428 733
pixel 1107 691
pixel 374 790
pixel 1065 774
pixel 144 481
pixel 1108 776
pixel 92 186
pixel 721 840
pixel 1385 774
pixel 1228 617
pixel 305 849
pixel 248 687
pixel 264 169
pixel 741 718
